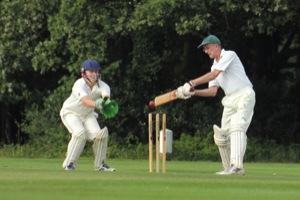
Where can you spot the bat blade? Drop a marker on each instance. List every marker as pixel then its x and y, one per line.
pixel 165 98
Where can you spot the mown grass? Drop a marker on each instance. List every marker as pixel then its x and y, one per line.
pixel 43 179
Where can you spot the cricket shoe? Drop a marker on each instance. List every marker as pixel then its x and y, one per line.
pixel 105 167
pixel 221 172
pixel 232 171
pixel 70 167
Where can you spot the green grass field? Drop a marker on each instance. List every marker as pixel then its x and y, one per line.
pixel 43 179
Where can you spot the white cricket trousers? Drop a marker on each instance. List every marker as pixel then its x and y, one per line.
pixel 78 125
pixel 237 116
pixel 82 129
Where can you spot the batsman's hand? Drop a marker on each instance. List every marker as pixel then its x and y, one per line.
pixel 110 109
pixel 188 89
pixel 180 94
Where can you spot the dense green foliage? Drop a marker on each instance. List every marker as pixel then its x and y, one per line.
pixel 145 48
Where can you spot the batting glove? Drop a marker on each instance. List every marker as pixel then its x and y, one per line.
pixel 188 89
pixel 181 95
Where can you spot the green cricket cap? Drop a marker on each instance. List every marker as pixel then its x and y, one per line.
pixel 211 39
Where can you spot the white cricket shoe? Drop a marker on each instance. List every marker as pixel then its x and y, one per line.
pixel 232 171
pixel 105 167
pixel 221 172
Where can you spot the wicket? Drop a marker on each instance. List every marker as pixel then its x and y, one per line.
pixel 157 133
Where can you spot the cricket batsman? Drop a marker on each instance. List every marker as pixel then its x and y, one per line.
pixel 228 73
pixel 79 116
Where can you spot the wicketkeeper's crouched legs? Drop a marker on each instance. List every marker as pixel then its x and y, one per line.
pixel 222 140
pixel 100 148
pixel 238 148
pixel 75 148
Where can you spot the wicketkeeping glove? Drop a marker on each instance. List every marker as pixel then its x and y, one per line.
pixel 99 103
pixel 110 109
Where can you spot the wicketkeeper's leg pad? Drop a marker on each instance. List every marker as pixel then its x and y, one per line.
pixel 222 140
pixel 75 148
pixel 100 147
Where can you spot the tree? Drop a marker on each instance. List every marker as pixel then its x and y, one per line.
pixel 146 48
pixel 23 25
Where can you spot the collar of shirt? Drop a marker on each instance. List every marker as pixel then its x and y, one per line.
pixel 222 53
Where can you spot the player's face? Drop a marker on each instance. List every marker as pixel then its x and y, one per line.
pixel 211 50
pixel 92 75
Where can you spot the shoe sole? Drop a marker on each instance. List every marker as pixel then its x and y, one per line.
pixel 224 173
pixel 107 170
pixel 231 174
pixel 69 169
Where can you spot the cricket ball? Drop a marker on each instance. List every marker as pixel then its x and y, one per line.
pixel 151 104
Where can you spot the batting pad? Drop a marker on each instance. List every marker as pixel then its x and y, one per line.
pixel 75 147
pixel 223 142
pixel 100 147
pixel 238 148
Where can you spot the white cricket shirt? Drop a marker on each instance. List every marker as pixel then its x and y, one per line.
pixel 233 77
pixel 80 89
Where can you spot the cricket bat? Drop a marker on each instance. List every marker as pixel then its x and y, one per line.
pixel 163 99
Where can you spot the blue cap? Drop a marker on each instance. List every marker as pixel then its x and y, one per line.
pixel 90 65
pixel 211 39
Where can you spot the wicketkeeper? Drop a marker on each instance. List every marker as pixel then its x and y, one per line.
pixel 228 73
pixel 79 116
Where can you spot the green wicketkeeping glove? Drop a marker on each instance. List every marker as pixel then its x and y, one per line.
pixel 99 104
pixel 110 109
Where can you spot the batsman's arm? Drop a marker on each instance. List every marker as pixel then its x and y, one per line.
pixel 206 78
pixel 208 92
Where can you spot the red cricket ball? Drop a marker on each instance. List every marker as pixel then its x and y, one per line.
pixel 151 104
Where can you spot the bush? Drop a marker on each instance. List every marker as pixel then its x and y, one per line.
pixel 269 151
pixel 186 148
pixel 194 148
